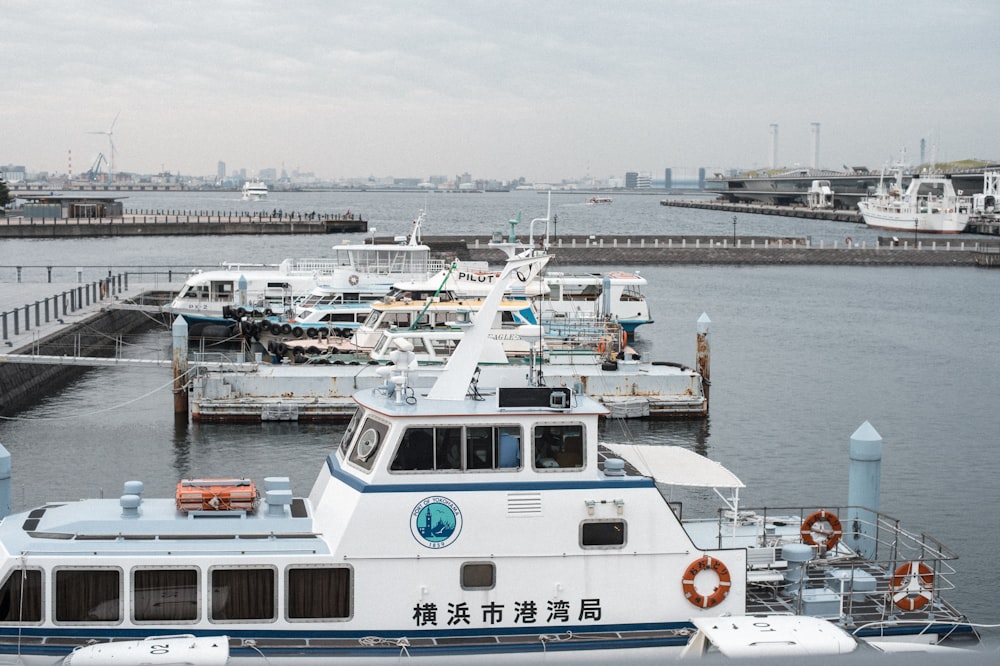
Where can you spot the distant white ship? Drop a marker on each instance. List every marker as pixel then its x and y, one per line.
pixel 929 204
pixel 254 190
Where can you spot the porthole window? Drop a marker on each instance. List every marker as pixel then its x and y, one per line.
pixel 478 576
pixel 602 534
pixel 368 443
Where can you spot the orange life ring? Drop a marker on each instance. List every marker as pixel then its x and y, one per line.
pixel 912 586
pixel 721 590
pixel 624 339
pixel 809 525
pixel 353 280
pixel 601 346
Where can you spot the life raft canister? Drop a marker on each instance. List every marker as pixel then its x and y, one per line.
pixel 912 586
pixel 216 495
pixel 720 592
pixel 813 524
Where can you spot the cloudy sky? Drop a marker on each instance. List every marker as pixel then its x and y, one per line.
pixel 545 90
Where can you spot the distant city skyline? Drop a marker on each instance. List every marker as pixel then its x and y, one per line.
pixel 544 91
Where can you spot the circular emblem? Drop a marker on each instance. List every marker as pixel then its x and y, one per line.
pixel 436 522
pixel 353 280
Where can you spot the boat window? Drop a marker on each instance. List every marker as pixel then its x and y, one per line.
pixel 352 427
pixel 559 447
pixel 369 441
pixel 493 447
pixel 602 534
pixel 21 596
pixel 243 594
pixel 319 593
pixel 478 576
pixel 164 595
pixel 88 595
pixel 485 448
pixel 415 451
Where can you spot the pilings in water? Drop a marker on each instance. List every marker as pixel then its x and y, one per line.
pixel 704 354
pixel 179 332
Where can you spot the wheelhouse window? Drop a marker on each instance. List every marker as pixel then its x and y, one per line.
pixel 243 594
pixel 478 576
pixel 319 593
pixel 369 441
pixel 352 428
pixel 88 595
pixel 21 596
pixel 458 448
pixel 165 595
pixel 559 447
pixel 602 534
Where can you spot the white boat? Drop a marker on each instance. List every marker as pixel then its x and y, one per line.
pixel 598 200
pixel 254 190
pixel 929 204
pixel 463 523
pixel 617 295
pixel 358 272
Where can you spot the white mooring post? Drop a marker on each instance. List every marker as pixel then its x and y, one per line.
pixel 863 489
pixel 4 482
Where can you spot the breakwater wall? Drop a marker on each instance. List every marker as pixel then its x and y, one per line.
pixel 833 215
pixel 181 223
pixel 22 384
pixel 624 251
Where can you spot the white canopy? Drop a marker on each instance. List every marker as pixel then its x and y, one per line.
pixel 676 466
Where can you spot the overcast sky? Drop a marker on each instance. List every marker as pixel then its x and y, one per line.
pixel 545 90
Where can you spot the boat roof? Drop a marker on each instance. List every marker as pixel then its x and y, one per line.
pixel 676 466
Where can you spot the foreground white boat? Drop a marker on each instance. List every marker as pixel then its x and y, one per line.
pixel 457 524
pixel 928 205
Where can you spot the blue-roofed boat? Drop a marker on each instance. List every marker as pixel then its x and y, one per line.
pixel 465 522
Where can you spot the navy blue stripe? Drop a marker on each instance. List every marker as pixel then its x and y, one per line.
pixel 552 483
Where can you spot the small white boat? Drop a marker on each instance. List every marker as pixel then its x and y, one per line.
pixel 598 200
pixel 254 190
pixel 929 204
pixel 180 650
pixel 357 272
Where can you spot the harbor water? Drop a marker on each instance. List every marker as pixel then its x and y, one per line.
pixel 801 356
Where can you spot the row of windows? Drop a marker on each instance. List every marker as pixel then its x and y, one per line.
pixel 247 594
pixel 173 595
pixel 456 448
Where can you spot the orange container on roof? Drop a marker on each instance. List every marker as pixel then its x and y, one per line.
pixel 216 495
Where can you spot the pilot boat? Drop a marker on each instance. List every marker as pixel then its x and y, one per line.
pixel 455 523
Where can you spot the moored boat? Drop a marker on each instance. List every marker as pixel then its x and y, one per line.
pixel 357 272
pixel 929 204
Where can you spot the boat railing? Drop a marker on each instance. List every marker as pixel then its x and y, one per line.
pixel 874 572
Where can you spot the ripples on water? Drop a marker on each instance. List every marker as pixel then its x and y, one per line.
pixel 801 356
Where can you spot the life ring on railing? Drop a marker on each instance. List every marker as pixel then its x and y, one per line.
pixel 104 289
pixel 721 590
pixel 624 339
pixel 601 346
pixel 848 241
pixel 353 280
pixel 813 521
pixel 912 586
